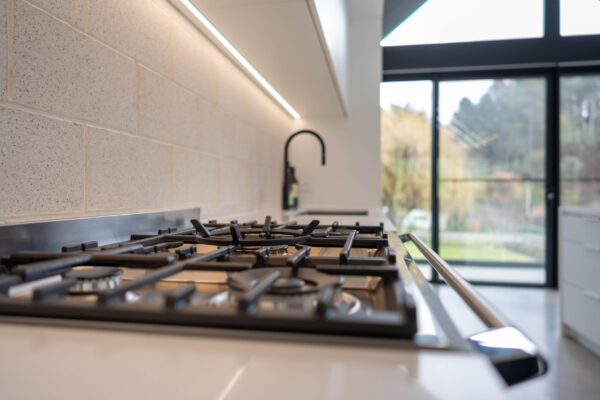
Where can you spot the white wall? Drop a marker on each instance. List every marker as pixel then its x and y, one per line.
pixel 113 106
pixel 352 176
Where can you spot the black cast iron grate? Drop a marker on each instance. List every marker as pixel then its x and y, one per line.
pixel 172 251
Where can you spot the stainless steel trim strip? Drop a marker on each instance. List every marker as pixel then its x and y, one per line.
pixel 52 235
pixel 435 327
pixel 480 306
pixel 513 354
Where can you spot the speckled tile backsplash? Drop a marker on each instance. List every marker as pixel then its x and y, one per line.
pixel 116 106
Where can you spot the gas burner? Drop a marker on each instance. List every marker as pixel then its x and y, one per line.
pixel 249 236
pixel 291 281
pixel 342 302
pixel 90 280
pixel 273 250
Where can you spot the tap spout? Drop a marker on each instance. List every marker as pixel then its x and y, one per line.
pixel 286 165
pixel 315 134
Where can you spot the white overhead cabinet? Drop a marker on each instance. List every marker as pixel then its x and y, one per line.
pixel 286 42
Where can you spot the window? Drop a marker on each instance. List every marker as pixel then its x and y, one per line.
pixel 492 212
pixel 444 21
pixel 491 173
pixel 580 140
pixel 406 158
pixel 579 17
pixel 513 122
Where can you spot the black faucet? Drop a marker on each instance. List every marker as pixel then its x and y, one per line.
pixel 286 166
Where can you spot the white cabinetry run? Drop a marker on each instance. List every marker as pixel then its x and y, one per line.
pixel 579 269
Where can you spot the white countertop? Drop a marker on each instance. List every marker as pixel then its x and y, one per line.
pixel 75 363
pixel 583 211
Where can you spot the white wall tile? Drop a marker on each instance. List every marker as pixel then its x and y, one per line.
pixel 167 111
pixel 195 178
pixel 270 187
pixel 126 172
pixel 253 174
pixel 233 181
pixel 195 60
pixel 217 129
pixel 41 165
pixel 140 74
pixel 268 151
pixel 139 28
pixel 72 11
pixel 221 212
pixel 233 94
pixel 60 70
pixel 245 142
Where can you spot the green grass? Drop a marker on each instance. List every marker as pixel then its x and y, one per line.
pixel 456 250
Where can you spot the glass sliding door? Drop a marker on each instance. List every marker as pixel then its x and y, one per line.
pixel 492 178
pixel 406 157
pixel 580 140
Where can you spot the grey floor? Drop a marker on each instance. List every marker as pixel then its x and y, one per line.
pixel 574 372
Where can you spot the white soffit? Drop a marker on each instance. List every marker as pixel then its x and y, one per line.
pixel 282 39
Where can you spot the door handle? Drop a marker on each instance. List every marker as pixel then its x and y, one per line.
pixel 589 247
pixel 592 295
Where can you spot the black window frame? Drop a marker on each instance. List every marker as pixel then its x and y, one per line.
pixel 549 57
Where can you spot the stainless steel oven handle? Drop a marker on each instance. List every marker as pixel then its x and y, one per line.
pixel 513 354
pixel 480 306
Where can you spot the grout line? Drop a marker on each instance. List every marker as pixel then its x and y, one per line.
pixel 137 98
pixel 32 110
pixel 171 173
pixel 10 58
pixel 93 125
pixel 85 167
pixel 171 49
pixel 77 29
pixel 219 166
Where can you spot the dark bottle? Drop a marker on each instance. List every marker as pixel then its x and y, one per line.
pixel 292 189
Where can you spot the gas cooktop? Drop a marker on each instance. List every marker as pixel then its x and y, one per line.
pixel 313 278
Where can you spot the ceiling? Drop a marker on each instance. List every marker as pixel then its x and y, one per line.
pixel 397 11
pixel 284 41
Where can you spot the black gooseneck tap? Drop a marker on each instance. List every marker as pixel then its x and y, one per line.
pixel 288 170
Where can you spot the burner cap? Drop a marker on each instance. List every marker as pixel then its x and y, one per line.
pixel 291 282
pixel 288 283
pixel 94 280
pixel 281 249
pixel 93 273
pixel 266 236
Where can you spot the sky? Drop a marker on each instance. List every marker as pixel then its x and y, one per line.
pixel 418 95
pixel 452 21
pixel 449 21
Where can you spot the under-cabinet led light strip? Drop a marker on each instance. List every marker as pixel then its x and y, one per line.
pixel 238 56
